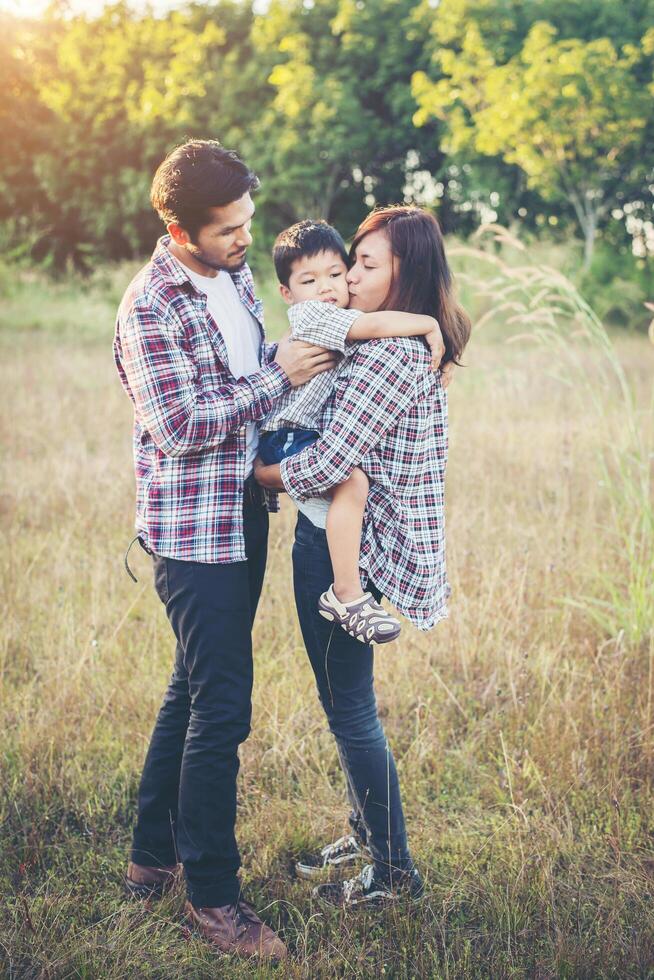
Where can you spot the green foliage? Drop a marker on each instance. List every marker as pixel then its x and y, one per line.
pixel 573 114
pixel 342 108
pixel 486 111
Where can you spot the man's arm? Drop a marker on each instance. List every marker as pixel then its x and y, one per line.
pixel 380 391
pixel 163 378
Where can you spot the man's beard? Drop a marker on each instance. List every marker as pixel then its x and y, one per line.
pixel 202 257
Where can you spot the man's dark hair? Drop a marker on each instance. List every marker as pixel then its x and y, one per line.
pixel 196 176
pixel 304 240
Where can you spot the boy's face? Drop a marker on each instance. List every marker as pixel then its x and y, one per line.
pixel 320 277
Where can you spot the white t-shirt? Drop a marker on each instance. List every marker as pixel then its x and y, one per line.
pixel 241 334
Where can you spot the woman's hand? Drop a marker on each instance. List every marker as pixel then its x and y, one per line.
pixel 268 476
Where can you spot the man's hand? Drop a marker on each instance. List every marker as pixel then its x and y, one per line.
pixel 447 372
pixel 302 361
pixel 435 340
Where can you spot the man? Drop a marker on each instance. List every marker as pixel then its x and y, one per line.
pixel 191 354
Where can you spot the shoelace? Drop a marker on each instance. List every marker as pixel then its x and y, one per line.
pixel 338 846
pixel 360 884
pixel 243 915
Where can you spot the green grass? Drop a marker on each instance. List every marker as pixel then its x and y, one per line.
pixel 523 726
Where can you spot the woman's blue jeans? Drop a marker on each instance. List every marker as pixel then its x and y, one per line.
pixel 343 669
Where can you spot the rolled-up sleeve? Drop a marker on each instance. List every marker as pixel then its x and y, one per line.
pixel 322 324
pixel 163 379
pixel 381 389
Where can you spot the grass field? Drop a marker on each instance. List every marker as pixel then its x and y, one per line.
pixel 523 727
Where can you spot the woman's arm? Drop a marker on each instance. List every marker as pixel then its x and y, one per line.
pixel 268 476
pixel 381 389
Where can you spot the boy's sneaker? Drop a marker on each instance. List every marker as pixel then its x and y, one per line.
pixel 363 618
pixel 367 890
pixel 335 857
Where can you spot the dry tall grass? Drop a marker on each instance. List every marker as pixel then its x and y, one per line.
pixel 522 727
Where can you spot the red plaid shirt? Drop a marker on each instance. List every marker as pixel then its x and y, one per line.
pixel 190 413
pixel 388 415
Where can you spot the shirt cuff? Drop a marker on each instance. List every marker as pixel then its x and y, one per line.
pixel 289 482
pixel 274 380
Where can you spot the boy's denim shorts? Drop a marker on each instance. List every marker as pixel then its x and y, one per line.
pixel 276 446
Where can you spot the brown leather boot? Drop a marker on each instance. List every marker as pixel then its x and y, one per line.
pixel 237 929
pixel 143 881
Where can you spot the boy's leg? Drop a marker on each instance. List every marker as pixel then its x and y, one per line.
pixel 345 602
pixel 344 524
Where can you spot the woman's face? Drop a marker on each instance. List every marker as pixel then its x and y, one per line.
pixel 369 279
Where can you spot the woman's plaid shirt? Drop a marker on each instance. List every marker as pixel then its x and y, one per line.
pixel 388 415
pixel 189 412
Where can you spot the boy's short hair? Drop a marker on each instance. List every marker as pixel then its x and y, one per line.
pixel 304 240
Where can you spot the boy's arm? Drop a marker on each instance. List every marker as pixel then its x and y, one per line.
pixel 321 323
pixel 392 323
pixel 333 327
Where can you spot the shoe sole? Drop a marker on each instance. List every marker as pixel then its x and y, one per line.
pixel 310 871
pixel 384 901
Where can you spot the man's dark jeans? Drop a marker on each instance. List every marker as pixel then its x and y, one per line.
pixel 343 669
pixel 187 796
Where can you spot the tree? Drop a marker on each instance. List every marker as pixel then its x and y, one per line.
pixel 573 115
pixel 337 136
pixel 121 90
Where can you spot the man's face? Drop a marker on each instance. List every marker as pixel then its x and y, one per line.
pixel 223 242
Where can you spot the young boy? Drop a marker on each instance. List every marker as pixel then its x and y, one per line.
pixel 311 264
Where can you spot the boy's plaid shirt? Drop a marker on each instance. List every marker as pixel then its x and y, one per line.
pixel 189 412
pixel 388 415
pixel 327 326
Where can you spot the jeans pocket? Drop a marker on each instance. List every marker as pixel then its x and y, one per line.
pixel 161 578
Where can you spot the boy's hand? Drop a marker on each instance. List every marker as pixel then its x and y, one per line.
pixel 435 340
pixel 447 372
pixel 302 361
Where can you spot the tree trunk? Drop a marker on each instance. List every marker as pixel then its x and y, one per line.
pixel 590 231
pixel 587 211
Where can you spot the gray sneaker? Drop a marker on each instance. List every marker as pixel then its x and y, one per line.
pixel 363 618
pixel 368 890
pixel 335 857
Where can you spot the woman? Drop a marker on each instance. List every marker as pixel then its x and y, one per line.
pixel 388 415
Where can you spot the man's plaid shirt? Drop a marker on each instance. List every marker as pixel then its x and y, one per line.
pixel 388 415
pixel 189 412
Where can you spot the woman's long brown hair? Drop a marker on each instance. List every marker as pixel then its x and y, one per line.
pixel 424 281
